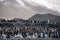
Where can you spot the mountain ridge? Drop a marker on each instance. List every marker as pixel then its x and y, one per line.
pixel 43 17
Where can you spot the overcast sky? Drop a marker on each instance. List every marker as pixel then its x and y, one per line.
pixel 18 13
pixel 51 4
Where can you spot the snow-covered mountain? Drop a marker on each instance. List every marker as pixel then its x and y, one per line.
pixel 22 9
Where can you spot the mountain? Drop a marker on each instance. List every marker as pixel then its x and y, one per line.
pixel 44 17
pixel 23 9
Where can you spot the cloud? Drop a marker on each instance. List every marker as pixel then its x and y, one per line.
pixel 51 4
pixel 1 0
